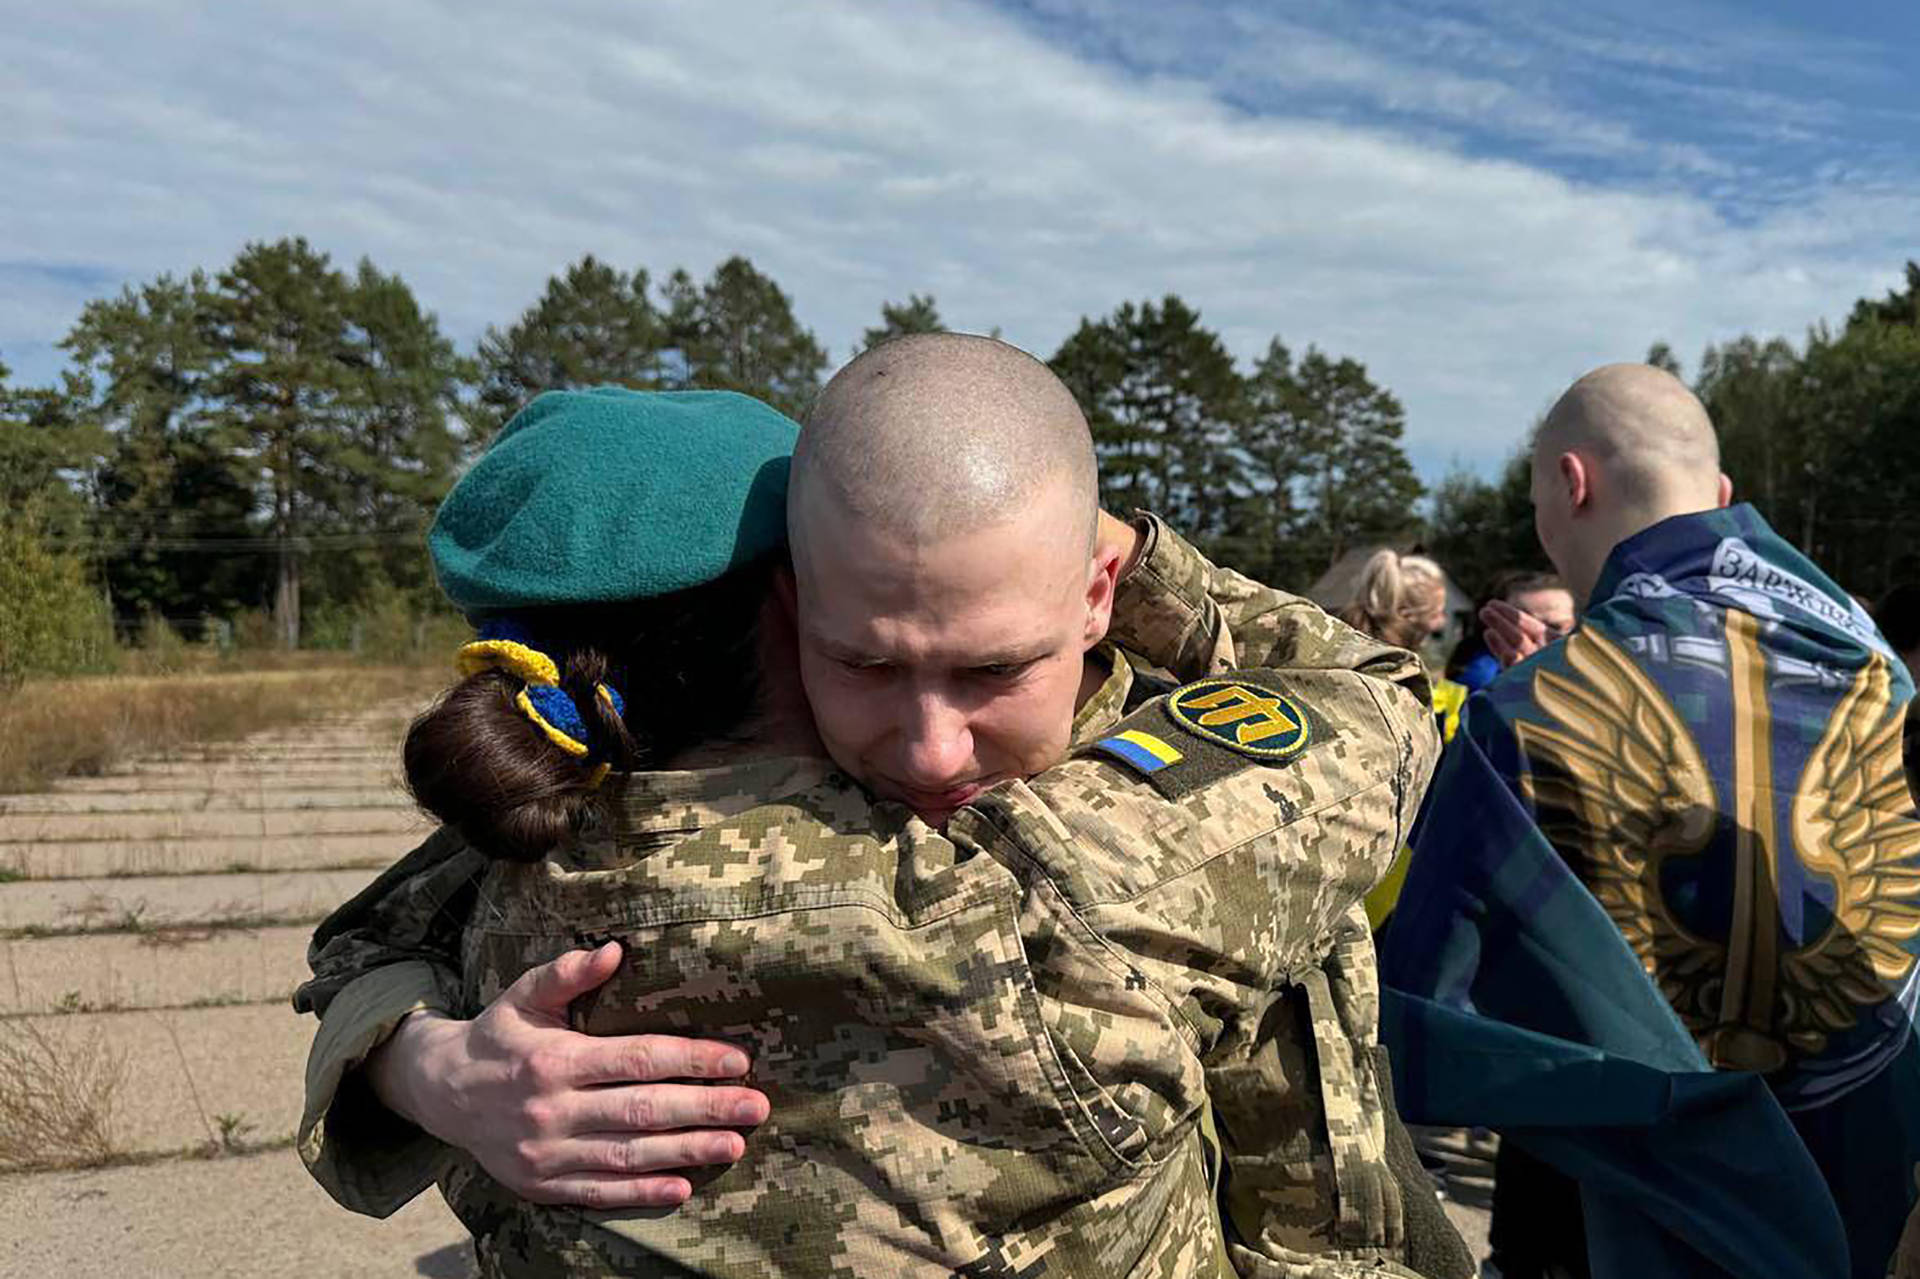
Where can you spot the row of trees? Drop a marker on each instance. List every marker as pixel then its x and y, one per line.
pixel 277 434
pixel 1823 437
pixel 1275 469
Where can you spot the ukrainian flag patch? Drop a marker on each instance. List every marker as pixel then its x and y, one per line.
pixel 1142 752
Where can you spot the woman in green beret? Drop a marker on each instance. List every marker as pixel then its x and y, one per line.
pixel 615 551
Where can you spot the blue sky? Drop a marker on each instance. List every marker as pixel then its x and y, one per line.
pixel 1479 200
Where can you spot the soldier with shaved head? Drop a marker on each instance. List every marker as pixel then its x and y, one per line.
pixel 945 625
pixel 1707 769
pixel 1047 962
pixel 1626 447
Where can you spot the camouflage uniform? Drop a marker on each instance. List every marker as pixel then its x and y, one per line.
pixel 1103 1011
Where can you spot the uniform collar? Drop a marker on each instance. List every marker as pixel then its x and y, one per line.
pixel 1109 702
pixel 694 799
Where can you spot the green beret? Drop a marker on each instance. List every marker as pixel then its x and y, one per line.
pixel 589 497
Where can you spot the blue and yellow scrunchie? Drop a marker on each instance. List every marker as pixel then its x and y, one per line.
pixel 504 645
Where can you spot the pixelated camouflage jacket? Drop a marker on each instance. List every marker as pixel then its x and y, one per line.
pixel 1016 1049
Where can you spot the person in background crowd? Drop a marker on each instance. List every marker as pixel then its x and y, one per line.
pixel 1398 599
pixel 1402 600
pixel 1539 596
pixel 1682 869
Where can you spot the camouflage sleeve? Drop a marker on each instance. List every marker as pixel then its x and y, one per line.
pixel 1188 616
pixel 1210 954
pixel 391 951
pixel 1307 1171
pixel 416 909
pixel 368 1158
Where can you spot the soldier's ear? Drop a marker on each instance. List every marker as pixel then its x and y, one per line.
pixel 1577 479
pixel 1103 578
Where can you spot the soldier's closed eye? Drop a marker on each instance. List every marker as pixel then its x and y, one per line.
pixel 1002 670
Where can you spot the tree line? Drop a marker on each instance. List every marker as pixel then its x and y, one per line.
pixel 272 439
pixel 275 436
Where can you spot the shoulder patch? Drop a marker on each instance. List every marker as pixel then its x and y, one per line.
pixel 1209 729
pixel 1242 716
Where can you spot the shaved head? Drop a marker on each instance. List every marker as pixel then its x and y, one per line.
pixel 1644 426
pixel 1626 447
pixel 948 579
pixel 931 435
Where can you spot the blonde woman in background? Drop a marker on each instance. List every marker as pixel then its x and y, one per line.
pixel 1398 599
pixel 1402 600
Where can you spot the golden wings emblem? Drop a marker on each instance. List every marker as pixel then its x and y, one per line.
pixel 1852 822
pixel 1620 787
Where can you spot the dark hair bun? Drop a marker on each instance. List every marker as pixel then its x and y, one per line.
pixel 687 665
pixel 478 764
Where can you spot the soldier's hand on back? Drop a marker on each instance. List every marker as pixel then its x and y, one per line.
pixel 564 1118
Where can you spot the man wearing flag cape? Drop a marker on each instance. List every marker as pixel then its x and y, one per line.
pixel 1665 939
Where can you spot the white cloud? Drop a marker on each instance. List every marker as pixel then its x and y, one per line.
pixel 857 153
pixel 1253 50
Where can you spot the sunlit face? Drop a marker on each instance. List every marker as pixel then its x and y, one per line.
pixel 936 671
pixel 1553 606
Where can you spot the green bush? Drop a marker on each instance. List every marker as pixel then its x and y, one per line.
pixel 165 651
pixel 53 620
pixel 254 631
pixel 386 624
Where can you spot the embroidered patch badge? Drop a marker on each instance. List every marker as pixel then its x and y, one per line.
pixel 1142 752
pixel 1242 717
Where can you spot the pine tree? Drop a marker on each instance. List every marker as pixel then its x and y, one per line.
pixel 593 326
pixel 737 332
pixel 166 482
pixel 1750 389
pixel 1263 521
pixel 1164 402
pixel 1363 486
pixel 1479 530
pixel 902 319
pixel 1900 306
pixel 404 395
pixel 49 457
pixel 1329 472
pixel 337 393
pixel 1661 356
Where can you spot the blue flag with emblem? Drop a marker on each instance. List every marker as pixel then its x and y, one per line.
pixel 1661 927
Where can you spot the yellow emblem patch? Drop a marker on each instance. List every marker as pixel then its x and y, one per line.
pixel 1242 717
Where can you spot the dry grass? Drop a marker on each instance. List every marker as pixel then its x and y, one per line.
pixel 57 1093
pixel 79 727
